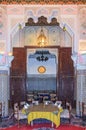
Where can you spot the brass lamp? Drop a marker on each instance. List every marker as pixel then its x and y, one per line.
pixel 41 39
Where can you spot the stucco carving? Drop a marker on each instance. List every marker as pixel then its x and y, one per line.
pixel 79 61
pixel 65 15
pixel 2 23
pixel 82 19
pixel 43 11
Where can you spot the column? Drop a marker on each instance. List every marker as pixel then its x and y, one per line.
pixel 80 68
pixel 5 63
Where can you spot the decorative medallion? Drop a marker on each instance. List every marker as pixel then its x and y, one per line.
pixel 41 69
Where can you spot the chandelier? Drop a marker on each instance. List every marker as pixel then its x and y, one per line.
pixel 41 39
pixel 42 56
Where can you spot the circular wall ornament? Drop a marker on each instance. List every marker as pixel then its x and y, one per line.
pixel 41 69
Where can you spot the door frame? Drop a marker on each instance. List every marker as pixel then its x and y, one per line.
pixel 46 47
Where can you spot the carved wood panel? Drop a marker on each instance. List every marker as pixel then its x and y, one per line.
pixel 66 75
pixel 19 62
pixel 18 76
pixel 65 61
pixel 18 90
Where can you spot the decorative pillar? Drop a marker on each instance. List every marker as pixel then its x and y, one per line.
pixel 81 90
pixel 5 63
pixel 80 82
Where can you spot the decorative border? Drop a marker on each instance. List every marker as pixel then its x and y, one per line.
pixel 43 2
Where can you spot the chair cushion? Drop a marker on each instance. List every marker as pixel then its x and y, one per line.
pixel 65 114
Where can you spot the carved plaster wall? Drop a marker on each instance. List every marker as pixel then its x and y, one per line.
pixel 82 29
pixel 67 15
pixel 49 12
pixel 82 22
pixel 3 29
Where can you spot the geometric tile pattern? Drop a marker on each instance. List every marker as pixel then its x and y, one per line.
pixel 4 92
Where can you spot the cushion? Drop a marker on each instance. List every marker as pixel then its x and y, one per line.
pixel 65 114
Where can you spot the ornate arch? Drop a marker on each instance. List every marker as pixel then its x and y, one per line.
pixel 42 21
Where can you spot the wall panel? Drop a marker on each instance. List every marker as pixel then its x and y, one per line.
pixel 18 76
pixel 66 75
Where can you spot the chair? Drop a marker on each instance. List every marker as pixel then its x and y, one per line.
pixel 0 111
pixel 83 111
pixel 66 114
pixel 35 102
pixel 18 113
pixel 68 106
pixel 46 100
pixel 30 97
pixel 21 104
pixel 58 103
pixel 53 97
pixel 82 108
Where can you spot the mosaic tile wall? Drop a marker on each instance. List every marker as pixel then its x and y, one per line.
pixel 4 92
pixel 81 89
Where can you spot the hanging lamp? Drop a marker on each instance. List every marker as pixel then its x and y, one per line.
pixel 41 39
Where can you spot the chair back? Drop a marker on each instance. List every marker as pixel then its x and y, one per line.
pixel 0 109
pixel 16 107
pixel 83 108
pixel 58 103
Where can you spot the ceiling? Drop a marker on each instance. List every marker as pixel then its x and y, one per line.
pixel 42 1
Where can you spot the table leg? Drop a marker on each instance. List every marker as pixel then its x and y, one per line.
pixel 52 124
pixel 31 123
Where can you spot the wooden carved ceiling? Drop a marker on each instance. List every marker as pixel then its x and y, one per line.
pixel 41 22
pixel 43 2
